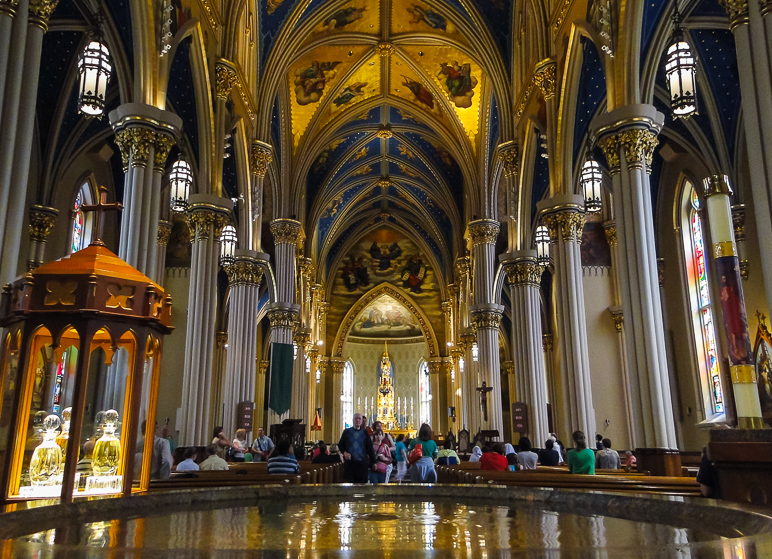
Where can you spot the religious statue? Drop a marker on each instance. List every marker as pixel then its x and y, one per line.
pixel 483 390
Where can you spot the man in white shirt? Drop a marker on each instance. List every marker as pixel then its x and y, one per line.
pixel 262 446
pixel 160 459
pixel 213 462
pixel 189 462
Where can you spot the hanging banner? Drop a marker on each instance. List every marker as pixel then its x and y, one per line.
pixel 280 394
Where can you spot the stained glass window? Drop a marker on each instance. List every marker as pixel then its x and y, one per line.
pixel 425 394
pixel 347 395
pixel 77 224
pixel 706 341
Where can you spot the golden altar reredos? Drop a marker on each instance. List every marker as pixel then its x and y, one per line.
pixel 79 370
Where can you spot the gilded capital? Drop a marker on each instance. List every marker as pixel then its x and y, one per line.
pixel 134 143
pixel 164 232
pixel 285 231
pixel 509 157
pixel 40 12
pixel 639 146
pixel 509 367
pixel 337 367
pixel 244 272
pixel 546 342
pixel 619 320
pixel 41 221
pixel 610 229
pixel 435 366
pixel 484 231
pixel 766 7
pixel 8 7
pixel 738 11
pixel 206 224
pixel 467 340
pixel 260 157
pixel 566 224
pixel 526 272
pixel 463 266
pixel 545 77
pixel 221 338
pixel 608 144
pixel 282 318
pixel 225 77
pixel 163 145
pixel 486 319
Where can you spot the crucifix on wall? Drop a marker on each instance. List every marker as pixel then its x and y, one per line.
pixel 483 390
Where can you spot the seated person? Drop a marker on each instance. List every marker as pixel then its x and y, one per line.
pixel 324 456
pixel 581 460
pixel 447 455
pixel 83 467
pixel 476 454
pixel 283 461
pixel 422 471
pixel 631 462
pixel 512 462
pixel 213 462
pixel 549 456
pixel 189 462
pixel 608 458
pixel 707 476
pixel 494 458
pixel 526 458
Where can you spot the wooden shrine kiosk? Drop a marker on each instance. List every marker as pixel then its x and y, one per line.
pixel 79 372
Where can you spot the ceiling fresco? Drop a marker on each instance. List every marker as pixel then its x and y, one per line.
pixel 385 318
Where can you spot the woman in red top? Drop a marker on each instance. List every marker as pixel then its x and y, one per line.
pixel 495 459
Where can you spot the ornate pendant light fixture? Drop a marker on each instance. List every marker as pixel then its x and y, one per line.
pixel 180 179
pixel 591 181
pixel 228 240
pixel 681 72
pixel 542 241
pixel 94 69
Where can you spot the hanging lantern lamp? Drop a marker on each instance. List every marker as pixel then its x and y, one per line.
pixel 591 181
pixel 180 179
pixel 542 240
pixel 681 72
pixel 94 69
pixel 228 240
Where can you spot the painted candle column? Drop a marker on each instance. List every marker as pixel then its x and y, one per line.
pixel 206 216
pixel 41 222
pixel 18 123
pixel 751 26
pixel 259 159
pixel 162 238
pixel 524 279
pixel 486 317
pixel 617 315
pixel 244 277
pixel 628 136
pixel 742 371
pixel 564 217
pixel 738 223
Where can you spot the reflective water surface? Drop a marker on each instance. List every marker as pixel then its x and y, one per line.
pixel 389 528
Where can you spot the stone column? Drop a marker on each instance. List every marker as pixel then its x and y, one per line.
pixel 41 222
pixel 7 18
pixel 628 136
pixel 299 405
pixel 260 420
pixel 218 375
pixel 486 316
pixel 455 384
pixel 553 389
pixel 524 279
pixel 469 383
pixel 509 371
pixel 751 25
pixel 617 315
pixel 20 88
pixel 286 235
pixel 311 403
pixel 564 217
pixel 283 318
pixel 509 157
pixel 207 215
pixel 435 367
pixel 163 236
pixel 145 135
pixel 742 370
pixel 738 222
pixel 244 277
pixel 336 421
pixel 260 158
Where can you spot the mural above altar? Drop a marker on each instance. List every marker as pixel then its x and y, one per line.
pixel 385 318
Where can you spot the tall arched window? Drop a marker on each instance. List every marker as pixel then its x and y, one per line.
pixel 347 395
pixel 693 227
pixel 80 233
pixel 424 394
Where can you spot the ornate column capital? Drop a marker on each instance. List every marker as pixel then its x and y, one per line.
pixel 608 145
pixel 207 215
pixel 523 272
pixel 610 228
pixel 244 271
pixel 545 76
pixel 638 145
pixel 509 156
pixel 766 7
pixel 466 340
pixel 164 232
pixel 435 365
pixel 456 353
pixel 41 221
pixel 484 231
pixel 260 157
pixel 617 315
pixel 285 231
pixel 221 338
pixel 738 11
pixel 225 79
pixel 134 143
pixel 302 338
pixel 546 342
pixel 447 308
pixel 8 7
pixel 40 12
pixel 337 365
pixel 282 317
pixel 463 265
pixel 566 224
pixel 164 142
pixel 487 316
pixel 630 130
pixel 264 367
pixel 509 367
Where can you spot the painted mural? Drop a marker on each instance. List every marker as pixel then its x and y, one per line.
pixel 384 255
pixel 385 318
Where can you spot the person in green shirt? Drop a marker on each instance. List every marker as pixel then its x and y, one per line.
pixel 428 446
pixel 581 460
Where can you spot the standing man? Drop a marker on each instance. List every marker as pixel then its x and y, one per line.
pixel 358 453
pixel 262 446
